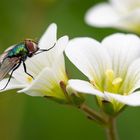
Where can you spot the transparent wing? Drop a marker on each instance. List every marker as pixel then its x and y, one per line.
pixel 5 54
pixel 9 48
pixel 7 65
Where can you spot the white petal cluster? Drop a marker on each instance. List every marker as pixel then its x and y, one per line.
pixel 47 68
pixel 112 67
pixel 121 14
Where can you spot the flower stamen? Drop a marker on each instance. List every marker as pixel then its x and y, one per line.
pixel 117 81
pixel 109 77
pixel 116 84
pixel 109 74
pixel 112 83
pixel 29 79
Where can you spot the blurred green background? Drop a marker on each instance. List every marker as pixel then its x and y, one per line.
pixel 33 118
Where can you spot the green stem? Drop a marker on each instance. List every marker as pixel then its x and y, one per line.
pixel 92 114
pixel 109 122
pixel 111 130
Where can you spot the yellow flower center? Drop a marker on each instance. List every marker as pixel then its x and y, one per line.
pixel 111 83
pixel 29 79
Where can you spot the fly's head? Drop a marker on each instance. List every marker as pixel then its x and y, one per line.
pixel 32 47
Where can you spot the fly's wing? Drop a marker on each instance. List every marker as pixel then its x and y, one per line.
pixel 5 54
pixel 7 65
pixel 10 48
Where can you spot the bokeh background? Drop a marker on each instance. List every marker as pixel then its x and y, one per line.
pixel 33 118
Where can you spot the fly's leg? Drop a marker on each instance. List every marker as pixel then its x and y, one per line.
pixel 44 50
pixel 25 70
pixel 14 68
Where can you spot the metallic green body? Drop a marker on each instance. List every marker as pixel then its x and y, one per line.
pixel 18 50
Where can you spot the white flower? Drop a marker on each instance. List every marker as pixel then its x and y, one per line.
pixel 112 67
pixel 122 14
pixel 47 68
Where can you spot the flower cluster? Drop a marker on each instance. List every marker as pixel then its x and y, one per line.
pixel 112 67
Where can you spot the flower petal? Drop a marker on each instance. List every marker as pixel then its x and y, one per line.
pixel 88 56
pixel 49 38
pixel 132 80
pixel 84 87
pixel 125 5
pixel 33 66
pixel 58 50
pixel 59 69
pixel 131 21
pixel 45 84
pixel 121 14
pixel 60 46
pixel 132 99
pixel 123 49
pixel 102 15
pixel 13 84
pixel 47 59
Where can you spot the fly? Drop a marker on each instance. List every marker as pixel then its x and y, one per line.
pixel 16 55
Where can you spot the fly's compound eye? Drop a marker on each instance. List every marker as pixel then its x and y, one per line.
pixel 31 46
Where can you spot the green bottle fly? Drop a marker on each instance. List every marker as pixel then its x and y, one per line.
pixel 12 58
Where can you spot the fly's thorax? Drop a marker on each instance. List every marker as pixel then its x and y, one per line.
pixel 18 51
pixel 31 46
